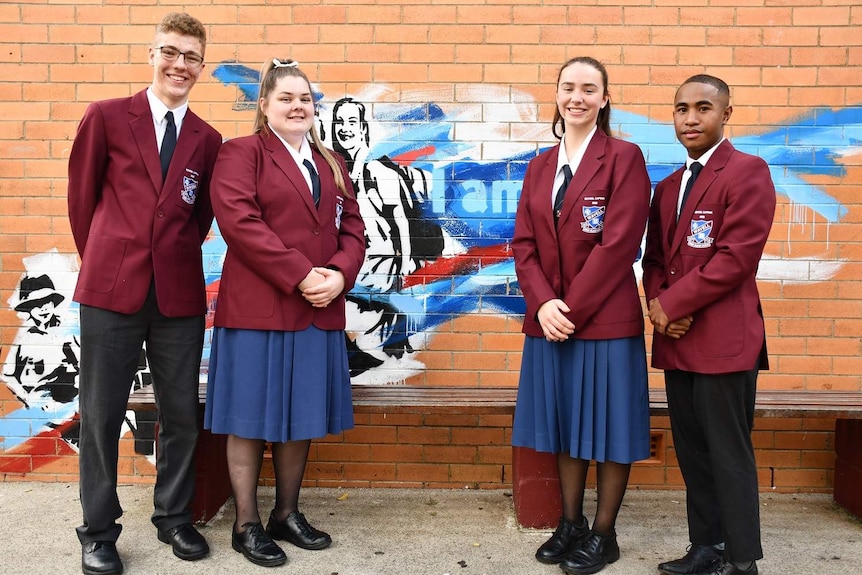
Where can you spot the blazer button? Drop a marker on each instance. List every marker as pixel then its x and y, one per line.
pixel 316 232
pixel 673 271
pixel 161 214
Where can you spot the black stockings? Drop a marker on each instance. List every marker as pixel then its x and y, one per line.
pixel 611 478
pixel 289 462
pixel 244 459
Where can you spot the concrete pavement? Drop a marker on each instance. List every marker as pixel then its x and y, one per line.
pixel 417 532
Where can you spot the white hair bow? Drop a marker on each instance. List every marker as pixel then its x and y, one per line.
pixel 279 64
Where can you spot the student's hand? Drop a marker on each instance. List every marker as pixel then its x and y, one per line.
pixel 322 294
pixel 555 325
pixel 657 316
pixel 313 278
pixel 677 329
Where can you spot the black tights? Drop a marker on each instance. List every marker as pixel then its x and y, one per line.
pixel 244 459
pixel 611 479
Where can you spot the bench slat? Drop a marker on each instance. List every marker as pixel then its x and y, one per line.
pixel 496 400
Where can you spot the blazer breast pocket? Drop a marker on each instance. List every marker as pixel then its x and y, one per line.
pixel 702 229
pixel 589 215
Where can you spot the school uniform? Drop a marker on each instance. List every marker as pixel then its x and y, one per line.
pixel 704 264
pixel 139 236
pixel 586 396
pixel 278 368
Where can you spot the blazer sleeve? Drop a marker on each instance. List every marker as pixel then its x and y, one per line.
pixel 531 277
pixel 748 214
pixel 351 234
pixel 239 216
pixel 610 262
pixel 203 206
pixel 87 163
pixel 653 260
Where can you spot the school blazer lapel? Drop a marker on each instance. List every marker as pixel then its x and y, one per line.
pixel 141 124
pixel 285 163
pixel 190 138
pixel 701 185
pixel 590 164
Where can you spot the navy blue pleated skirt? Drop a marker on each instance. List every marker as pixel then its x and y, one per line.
pixel 278 386
pixel 588 398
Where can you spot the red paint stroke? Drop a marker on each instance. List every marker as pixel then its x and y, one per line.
pixel 47 447
pixel 470 261
pixel 408 158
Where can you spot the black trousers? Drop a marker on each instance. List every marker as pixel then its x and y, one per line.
pixel 110 348
pixel 711 420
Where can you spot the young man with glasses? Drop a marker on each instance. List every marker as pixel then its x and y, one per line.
pixel 139 209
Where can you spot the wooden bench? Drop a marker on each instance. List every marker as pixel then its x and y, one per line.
pixel 534 474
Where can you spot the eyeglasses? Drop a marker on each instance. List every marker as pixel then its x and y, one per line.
pixel 170 54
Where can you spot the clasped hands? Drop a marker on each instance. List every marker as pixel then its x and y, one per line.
pixel 663 325
pixel 555 325
pixel 321 286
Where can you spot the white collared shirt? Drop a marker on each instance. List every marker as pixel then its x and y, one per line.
pixel 702 160
pixel 304 153
pixel 574 162
pixel 159 111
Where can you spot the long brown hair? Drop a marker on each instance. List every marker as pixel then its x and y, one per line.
pixel 269 77
pixel 603 121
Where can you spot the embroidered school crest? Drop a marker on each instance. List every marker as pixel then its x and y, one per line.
pixel 190 187
pixel 594 219
pixel 700 234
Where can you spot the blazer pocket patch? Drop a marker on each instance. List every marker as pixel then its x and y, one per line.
pixel 103 257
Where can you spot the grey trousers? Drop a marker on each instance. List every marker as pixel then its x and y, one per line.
pixel 110 348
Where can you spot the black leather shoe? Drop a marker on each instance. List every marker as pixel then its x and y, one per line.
pixel 188 544
pixel 593 555
pixel 565 539
pixel 100 558
pixel 257 546
pixel 698 559
pixel 725 567
pixel 295 529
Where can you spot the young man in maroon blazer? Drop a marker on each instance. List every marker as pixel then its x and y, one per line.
pixel 139 209
pixel 704 243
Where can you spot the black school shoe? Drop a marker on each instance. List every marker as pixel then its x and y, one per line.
pixel 697 559
pixel 257 546
pixel 593 555
pixel 566 538
pixel 295 529
pixel 100 558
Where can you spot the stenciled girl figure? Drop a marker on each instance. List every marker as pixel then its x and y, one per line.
pixel 278 369
pixel 583 391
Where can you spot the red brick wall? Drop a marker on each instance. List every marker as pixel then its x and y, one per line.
pixel 794 68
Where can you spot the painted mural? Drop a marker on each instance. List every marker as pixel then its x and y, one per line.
pixel 438 186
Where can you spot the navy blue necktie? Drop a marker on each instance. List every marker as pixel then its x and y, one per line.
pixel 169 143
pixel 315 181
pixel 561 192
pixel 695 169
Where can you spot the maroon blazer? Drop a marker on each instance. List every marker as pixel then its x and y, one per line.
pixel 587 260
pixel 129 226
pixel 705 266
pixel 275 235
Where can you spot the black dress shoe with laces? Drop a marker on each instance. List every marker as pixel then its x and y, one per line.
pixel 100 558
pixel 295 529
pixel 187 542
pixel 257 546
pixel 725 567
pixel 565 539
pixel 593 555
pixel 698 559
